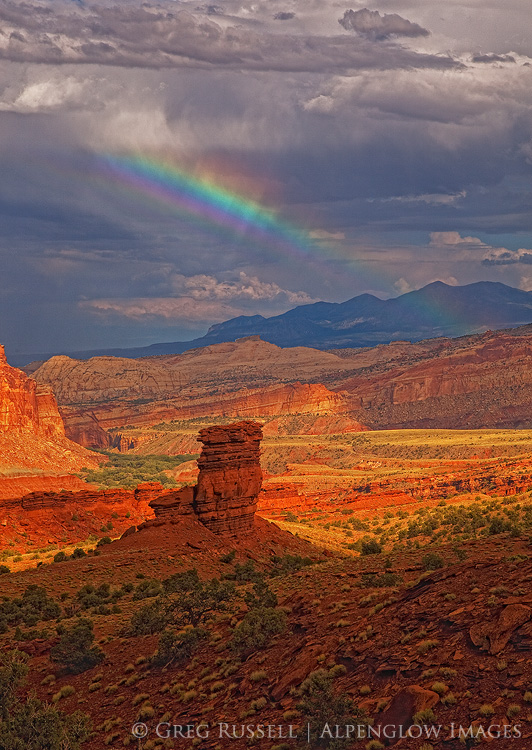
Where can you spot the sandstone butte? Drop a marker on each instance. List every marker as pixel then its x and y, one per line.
pixel 475 381
pixel 34 451
pixel 224 500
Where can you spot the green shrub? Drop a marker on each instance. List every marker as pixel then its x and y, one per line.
pixel 196 600
pixel 261 596
pixel 384 580
pixel 31 724
pixel 286 564
pixel 149 619
pixel 432 561
pixel 4 569
pixel 321 706
pixel 176 648
pixel 95 596
pixel 244 573
pixel 228 557
pixel 497 526
pixel 75 651
pixel 147 588
pixel 257 629
pixel 33 606
pixel 60 557
pixel 370 547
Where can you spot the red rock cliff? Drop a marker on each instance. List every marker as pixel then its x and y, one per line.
pixel 26 406
pixel 32 434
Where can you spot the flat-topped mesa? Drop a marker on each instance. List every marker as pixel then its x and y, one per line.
pixel 229 481
pixel 230 477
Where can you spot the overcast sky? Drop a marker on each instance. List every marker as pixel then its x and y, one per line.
pixel 396 136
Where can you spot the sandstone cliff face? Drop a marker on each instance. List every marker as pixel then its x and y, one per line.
pixel 88 426
pixel 483 380
pixel 32 433
pixel 26 406
pixel 480 381
pixel 106 378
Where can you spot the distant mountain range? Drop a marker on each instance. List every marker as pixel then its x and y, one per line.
pixel 435 310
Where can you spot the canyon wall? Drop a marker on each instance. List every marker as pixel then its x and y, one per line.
pixel 88 426
pixel 32 434
pixel 479 381
pixel 483 380
pixel 26 406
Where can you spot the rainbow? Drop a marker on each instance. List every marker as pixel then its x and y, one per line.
pixel 196 195
pixel 201 199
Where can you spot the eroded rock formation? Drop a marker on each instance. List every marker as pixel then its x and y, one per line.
pixel 26 406
pixel 229 481
pixel 44 517
pixel 230 476
pixel 475 381
pixel 32 434
pixel 224 500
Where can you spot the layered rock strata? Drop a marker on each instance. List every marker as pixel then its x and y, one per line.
pixel 230 476
pixel 477 381
pixel 229 481
pixel 26 406
pixel 32 434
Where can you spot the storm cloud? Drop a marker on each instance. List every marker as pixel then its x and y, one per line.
pixel 391 156
pixel 372 25
pixel 152 36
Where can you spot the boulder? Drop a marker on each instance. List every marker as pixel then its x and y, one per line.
pixel 399 715
pixel 494 636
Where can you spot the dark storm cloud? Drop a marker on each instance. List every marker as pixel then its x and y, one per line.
pixel 372 147
pixel 370 24
pixel 151 36
pixel 493 58
pixel 508 258
pixel 211 10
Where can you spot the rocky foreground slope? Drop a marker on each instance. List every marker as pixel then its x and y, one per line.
pixel 470 382
pixel 415 652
